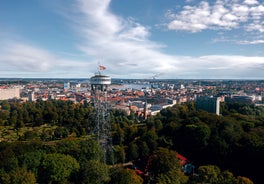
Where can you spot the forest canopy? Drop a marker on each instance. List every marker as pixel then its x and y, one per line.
pixel 51 142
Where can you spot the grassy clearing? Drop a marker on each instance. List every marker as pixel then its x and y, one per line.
pixel 10 134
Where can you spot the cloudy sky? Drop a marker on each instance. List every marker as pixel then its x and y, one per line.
pixel 178 39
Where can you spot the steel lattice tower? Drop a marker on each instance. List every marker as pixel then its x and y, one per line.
pixel 102 129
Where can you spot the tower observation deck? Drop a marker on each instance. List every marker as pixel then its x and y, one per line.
pixel 100 82
pixel 102 129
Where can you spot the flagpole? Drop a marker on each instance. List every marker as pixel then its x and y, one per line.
pixel 99 68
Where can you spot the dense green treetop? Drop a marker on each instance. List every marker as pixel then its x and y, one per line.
pixel 43 136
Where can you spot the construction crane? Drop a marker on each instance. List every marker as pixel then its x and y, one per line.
pixel 155 76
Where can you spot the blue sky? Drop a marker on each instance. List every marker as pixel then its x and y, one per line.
pixel 189 39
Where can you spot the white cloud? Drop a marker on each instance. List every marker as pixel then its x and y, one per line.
pixel 25 57
pixel 125 48
pixel 220 15
pixel 251 2
pixel 241 42
pixel 121 44
pixel 252 42
pixel 222 67
pixel 19 59
pixel 255 27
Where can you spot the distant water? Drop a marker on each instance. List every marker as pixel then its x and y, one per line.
pixel 131 86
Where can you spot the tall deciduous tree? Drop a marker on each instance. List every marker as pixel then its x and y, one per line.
pixel 20 176
pixel 208 174
pixel 243 180
pixel 133 151
pixel 165 167
pixel 94 172
pixel 125 176
pixel 31 161
pixel 58 167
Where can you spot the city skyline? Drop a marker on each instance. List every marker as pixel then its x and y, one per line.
pixel 186 39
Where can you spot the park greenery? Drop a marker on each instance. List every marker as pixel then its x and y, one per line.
pixel 51 142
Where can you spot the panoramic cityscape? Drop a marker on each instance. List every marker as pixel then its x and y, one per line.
pixel 140 102
pixel 131 92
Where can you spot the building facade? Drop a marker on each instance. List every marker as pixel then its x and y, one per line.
pixel 9 93
pixel 209 104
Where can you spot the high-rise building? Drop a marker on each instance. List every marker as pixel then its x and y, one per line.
pixel 66 86
pixel 209 104
pixel 31 96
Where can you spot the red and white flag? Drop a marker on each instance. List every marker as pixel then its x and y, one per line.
pixel 101 67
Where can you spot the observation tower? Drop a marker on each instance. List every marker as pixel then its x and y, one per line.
pixel 102 129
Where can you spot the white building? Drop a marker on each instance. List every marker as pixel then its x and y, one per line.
pixel 9 93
